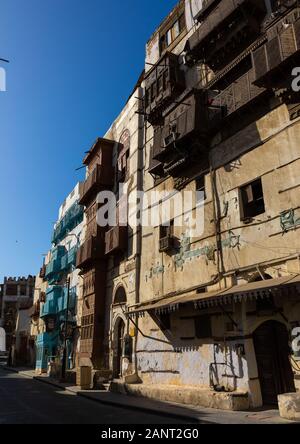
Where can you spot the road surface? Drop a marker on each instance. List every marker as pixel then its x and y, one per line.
pixel 27 401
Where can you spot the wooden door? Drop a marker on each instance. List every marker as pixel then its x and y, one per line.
pixel 271 342
pixel 120 340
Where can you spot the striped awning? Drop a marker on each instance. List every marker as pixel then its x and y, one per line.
pixel 253 290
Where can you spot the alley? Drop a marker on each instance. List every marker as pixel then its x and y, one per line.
pixel 24 401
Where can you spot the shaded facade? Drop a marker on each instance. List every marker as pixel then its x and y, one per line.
pixel 15 291
pixel 217 311
pixel 109 259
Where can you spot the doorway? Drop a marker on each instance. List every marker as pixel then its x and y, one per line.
pixel 271 343
pixel 119 342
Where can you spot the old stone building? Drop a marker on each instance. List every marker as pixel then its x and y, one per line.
pixel 16 292
pixel 109 257
pixel 218 308
pixel 55 320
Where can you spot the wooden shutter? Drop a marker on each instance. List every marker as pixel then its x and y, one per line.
pixel 260 62
pixel 288 42
pixel 274 52
pixel 241 91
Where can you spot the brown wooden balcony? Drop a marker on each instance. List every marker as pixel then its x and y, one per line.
pixel 230 26
pixel 42 273
pixel 162 84
pixel 155 167
pixel 185 121
pixel 116 239
pixel 91 250
pixel 232 99
pixel 101 177
pixel 277 55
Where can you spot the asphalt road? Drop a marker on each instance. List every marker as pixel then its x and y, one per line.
pixel 26 401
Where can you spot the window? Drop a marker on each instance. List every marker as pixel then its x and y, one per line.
pixel 11 290
pixel 124 158
pixel 23 290
pixel 203 327
pixel 168 37
pixel 87 327
pixel 200 187
pixel 252 200
pixel 166 230
pixel 166 237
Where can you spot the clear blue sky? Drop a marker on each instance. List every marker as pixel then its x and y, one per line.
pixel 73 64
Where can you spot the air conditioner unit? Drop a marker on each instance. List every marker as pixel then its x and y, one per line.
pixel 166 244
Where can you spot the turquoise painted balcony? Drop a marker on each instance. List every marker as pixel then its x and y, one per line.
pixel 52 269
pixel 57 300
pixel 58 252
pixel 61 262
pixel 63 300
pixel 51 305
pixel 49 309
pixel 71 257
pixel 72 218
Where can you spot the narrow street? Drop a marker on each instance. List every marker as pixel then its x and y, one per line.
pixel 24 401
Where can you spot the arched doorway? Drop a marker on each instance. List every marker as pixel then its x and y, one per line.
pixel 271 343
pixel 119 333
pixel 2 340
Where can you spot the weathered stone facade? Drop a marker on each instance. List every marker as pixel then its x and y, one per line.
pixel 207 318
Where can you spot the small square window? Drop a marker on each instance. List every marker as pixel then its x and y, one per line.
pixel 166 230
pixel 252 200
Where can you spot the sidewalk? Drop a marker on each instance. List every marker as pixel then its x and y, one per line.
pixel 168 409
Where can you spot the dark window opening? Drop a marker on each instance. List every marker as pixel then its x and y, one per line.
pixel 166 230
pixel 203 328
pixel 252 200
pixel 200 188
pixel 11 290
pixel 23 290
pixel 265 305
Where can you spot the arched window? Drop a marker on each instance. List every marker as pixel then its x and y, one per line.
pixel 120 296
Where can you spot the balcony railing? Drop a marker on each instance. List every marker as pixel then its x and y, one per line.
pixel 91 250
pixel 232 99
pixel 275 54
pixel 72 218
pixel 116 239
pixel 102 177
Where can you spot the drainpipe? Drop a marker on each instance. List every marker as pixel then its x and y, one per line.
pixel 141 140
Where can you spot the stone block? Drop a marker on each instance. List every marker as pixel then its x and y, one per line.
pixel 289 406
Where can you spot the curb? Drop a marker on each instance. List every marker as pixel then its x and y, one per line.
pixel 149 410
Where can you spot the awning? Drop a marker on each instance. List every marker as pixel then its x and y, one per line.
pixel 238 293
